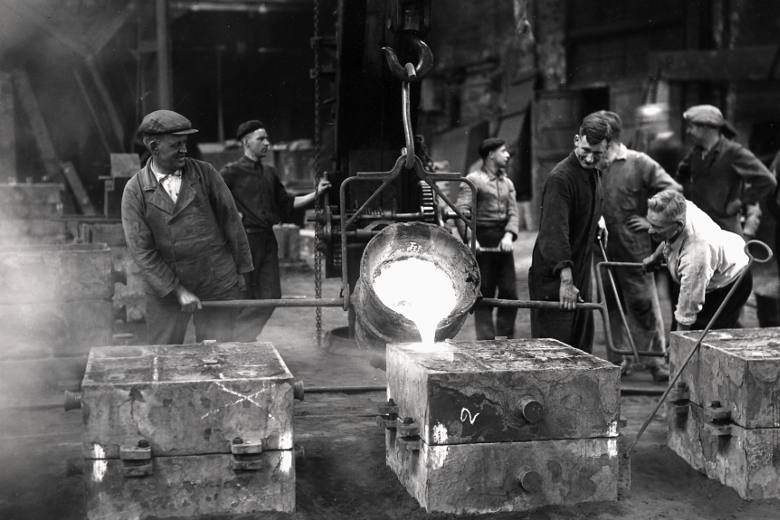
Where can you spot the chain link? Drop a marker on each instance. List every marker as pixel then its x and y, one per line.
pixel 318 176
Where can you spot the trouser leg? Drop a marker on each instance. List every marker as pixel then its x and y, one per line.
pixel 165 323
pixel 217 323
pixel 643 310
pixel 483 316
pixel 729 316
pixel 262 283
pixel 507 290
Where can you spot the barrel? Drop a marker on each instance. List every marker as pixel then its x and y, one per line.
pixel 376 324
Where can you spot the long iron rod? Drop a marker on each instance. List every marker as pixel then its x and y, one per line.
pixel 701 339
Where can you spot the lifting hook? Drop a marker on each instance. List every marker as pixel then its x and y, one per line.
pixel 409 74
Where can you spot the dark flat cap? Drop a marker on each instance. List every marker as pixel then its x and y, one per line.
pixel 705 115
pixel 488 145
pixel 165 122
pixel 248 127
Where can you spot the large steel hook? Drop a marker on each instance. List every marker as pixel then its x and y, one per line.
pixel 411 74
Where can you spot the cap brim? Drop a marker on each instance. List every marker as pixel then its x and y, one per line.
pixel 184 132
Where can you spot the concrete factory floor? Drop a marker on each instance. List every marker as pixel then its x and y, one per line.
pixel 344 475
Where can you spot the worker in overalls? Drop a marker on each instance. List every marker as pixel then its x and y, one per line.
pixel 184 232
pixel 497 227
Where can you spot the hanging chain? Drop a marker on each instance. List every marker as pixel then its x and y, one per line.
pixel 318 176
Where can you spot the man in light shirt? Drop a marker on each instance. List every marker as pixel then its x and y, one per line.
pixel 184 232
pixel 703 259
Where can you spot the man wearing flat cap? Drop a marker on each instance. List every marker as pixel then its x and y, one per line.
pixel 497 227
pixel 718 175
pixel 262 201
pixel 184 232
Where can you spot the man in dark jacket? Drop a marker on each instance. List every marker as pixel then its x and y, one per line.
pixel 185 234
pixel 571 213
pixel 263 201
pixel 720 176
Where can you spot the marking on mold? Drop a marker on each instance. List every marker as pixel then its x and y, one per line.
pixel 249 397
pixel 99 466
pixel 612 447
pixel 438 456
pixel 156 369
pixel 466 414
pixel 440 434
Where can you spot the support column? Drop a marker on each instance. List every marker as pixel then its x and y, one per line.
pixel 163 55
pixel 7 129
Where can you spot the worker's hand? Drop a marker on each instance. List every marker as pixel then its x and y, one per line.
pixel 651 264
pixel 241 284
pixel 637 224
pixel 568 296
pixel 506 244
pixel 188 301
pixel 733 207
pixel 323 186
pixel 602 234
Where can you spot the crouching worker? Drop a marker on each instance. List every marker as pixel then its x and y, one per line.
pixel 703 259
pixel 184 232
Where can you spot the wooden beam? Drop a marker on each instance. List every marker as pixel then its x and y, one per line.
pixel 99 38
pixel 33 112
pixel 24 9
pixel 82 199
pixel 745 64
pixel 105 96
pixel 92 112
pixel 7 129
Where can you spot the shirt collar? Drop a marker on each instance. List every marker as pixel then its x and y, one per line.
pixel 622 153
pixel 161 176
pixel 500 173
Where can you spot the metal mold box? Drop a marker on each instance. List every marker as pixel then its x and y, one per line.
pixel 506 425
pixel 465 392
pixel 724 417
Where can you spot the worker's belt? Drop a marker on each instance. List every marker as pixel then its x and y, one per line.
pixel 491 223
pixel 257 230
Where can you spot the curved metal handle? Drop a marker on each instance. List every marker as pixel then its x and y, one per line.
pixel 766 248
pixel 424 62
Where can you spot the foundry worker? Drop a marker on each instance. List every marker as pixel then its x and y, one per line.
pixel 497 226
pixel 185 234
pixel 262 201
pixel 719 175
pixel 570 219
pixel 703 259
pixel 629 178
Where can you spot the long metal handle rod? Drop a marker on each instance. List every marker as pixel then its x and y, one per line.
pixel 619 306
pixel 280 302
pixel 701 338
pixel 534 304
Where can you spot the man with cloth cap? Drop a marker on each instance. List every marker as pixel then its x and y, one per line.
pixel 185 234
pixel 263 201
pixel 497 226
pixel 718 175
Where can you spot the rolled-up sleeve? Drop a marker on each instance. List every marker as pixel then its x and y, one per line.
pixel 141 243
pixel 513 219
pixel 694 270
pixel 229 220
pixel 553 239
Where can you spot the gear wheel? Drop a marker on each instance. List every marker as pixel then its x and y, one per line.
pixel 428 206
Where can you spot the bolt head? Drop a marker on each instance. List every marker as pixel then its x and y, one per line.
pixel 715 404
pixel 143 443
pixel 238 440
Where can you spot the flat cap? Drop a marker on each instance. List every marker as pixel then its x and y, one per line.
pixel 490 144
pixel 165 122
pixel 705 115
pixel 248 127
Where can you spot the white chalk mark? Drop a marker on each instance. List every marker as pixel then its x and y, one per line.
pixel 156 369
pixel 99 466
pixel 286 462
pixel 249 397
pixel 466 414
pixel 439 434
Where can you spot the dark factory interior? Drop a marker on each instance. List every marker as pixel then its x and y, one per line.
pixel 389 259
